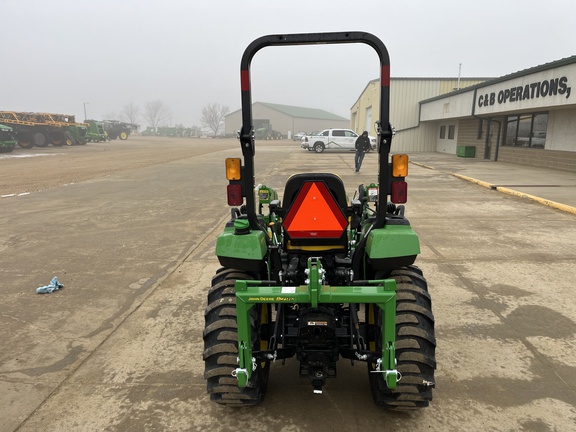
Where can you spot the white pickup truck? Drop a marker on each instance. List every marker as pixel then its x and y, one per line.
pixel 337 139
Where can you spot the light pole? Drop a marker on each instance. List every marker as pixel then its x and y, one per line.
pixel 85 103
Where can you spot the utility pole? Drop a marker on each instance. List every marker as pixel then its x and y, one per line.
pixel 459 71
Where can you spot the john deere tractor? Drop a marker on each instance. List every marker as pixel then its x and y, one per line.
pixel 317 276
pixel 7 140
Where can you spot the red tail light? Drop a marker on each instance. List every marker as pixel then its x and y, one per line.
pixel 399 193
pixel 234 192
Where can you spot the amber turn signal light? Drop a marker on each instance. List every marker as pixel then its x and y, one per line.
pixel 399 165
pixel 233 169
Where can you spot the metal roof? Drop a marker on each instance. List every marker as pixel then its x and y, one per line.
pixel 524 72
pixel 302 112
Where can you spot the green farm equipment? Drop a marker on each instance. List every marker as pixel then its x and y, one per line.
pixel 96 132
pixel 317 276
pixel 40 129
pixel 267 134
pixel 7 139
pixel 117 129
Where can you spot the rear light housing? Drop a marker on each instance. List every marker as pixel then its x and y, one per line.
pixel 233 169
pixel 399 193
pixel 234 193
pixel 399 165
pixel 234 176
pixel 398 187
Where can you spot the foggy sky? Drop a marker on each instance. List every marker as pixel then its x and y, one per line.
pixel 59 55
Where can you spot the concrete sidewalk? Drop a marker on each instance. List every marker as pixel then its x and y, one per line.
pixel 549 187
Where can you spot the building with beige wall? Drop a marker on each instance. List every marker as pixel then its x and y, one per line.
pixel 405 97
pixel 527 117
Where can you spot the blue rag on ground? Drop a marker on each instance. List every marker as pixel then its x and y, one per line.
pixel 53 286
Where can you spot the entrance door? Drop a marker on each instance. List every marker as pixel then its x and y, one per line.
pixel 368 122
pixel 488 142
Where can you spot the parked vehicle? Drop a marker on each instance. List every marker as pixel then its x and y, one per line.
pixel 117 129
pixel 267 134
pixel 318 277
pixel 7 140
pixel 40 129
pixel 96 132
pixel 298 136
pixel 333 139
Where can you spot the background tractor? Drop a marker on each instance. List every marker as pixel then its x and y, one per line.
pixel 317 276
pixel 7 139
pixel 96 132
pixel 117 129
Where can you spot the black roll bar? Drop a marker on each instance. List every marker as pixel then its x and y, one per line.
pixel 247 132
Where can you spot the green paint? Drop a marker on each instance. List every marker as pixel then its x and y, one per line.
pixel 392 241
pixel 380 292
pixel 250 246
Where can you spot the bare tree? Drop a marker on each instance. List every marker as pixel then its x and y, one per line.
pixel 130 113
pixel 155 112
pixel 213 116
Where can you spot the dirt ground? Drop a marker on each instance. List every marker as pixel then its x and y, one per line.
pixel 56 166
pixel 130 228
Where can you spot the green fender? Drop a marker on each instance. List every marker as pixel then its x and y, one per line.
pixel 241 248
pixel 392 247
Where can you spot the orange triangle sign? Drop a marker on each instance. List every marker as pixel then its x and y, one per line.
pixel 315 214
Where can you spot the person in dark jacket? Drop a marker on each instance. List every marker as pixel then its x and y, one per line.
pixel 362 146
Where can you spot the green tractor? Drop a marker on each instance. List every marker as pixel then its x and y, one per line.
pixel 7 139
pixel 117 129
pixel 317 276
pixel 95 132
pixel 267 134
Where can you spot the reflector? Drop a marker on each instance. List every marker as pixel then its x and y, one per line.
pixel 399 193
pixel 233 169
pixel 400 165
pixel 234 192
pixel 315 214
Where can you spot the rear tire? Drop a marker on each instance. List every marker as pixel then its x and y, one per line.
pixel 415 345
pixel 221 344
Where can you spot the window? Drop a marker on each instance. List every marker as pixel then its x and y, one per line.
pixel 350 134
pixel 526 130
pixel 451 130
pixel 442 132
pixel 325 133
pixel 338 132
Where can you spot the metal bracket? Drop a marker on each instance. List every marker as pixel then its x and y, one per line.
pixel 391 376
pixel 246 375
